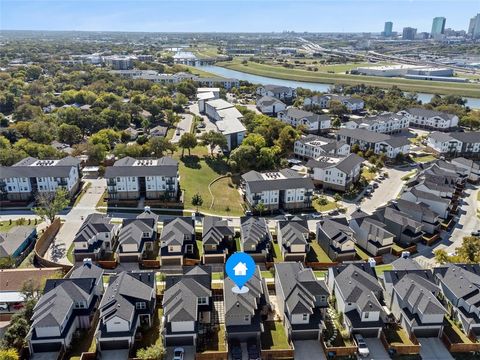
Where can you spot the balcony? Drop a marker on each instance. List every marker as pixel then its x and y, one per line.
pixel 111 182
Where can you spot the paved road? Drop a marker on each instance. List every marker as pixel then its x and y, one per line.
pixel 183 126
pixel 433 349
pixel 73 220
pixel 466 222
pixel 209 125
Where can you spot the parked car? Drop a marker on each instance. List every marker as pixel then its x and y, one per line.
pixel 3 307
pixel 178 353
pixel 476 233
pixel 317 215
pixel 253 353
pixel 178 132
pixel 362 345
pixel 375 185
pixel 236 351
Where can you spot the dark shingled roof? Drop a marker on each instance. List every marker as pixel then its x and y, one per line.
pixel 290 180
pixel 165 166
pixel 24 168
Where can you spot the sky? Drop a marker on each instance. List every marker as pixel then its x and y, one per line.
pixel 233 15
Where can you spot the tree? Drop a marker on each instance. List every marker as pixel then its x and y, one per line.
pixel 255 140
pixel 70 134
pixel 50 204
pixel 260 207
pixel 243 158
pixel 9 354
pixel 155 351
pixel 214 139
pixel 197 200
pixel 16 332
pixel 157 146
pixel 469 251
pixel 96 153
pixel 187 141
pixel 337 108
pixel 287 138
pixel 441 256
pixel 322 200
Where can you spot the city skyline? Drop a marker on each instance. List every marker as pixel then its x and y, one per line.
pixel 216 16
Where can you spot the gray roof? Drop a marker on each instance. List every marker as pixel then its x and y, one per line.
pixel 93 225
pixel 336 230
pixel 165 166
pixel 215 229
pixel 123 291
pixel 463 281
pixel 246 303
pixel 345 165
pixel 25 168
pixel 363 135
pixel 403 263
pixel 254 230
pixel 467 137
pixel 87 270
pixel 133 229
pixel 299 286
pixel 299 114
pixel 397 141
pixel 349 163
pixel 174 231
pixel 430 113
pixel 290 180
pixel 267 101
pixel 406 206
pixel 440 136
pixel 180 300
pixel 294 232
pixel 419 194
pixel 277 89
pixel 10 241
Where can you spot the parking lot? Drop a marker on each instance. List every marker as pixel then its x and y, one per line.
pixel 433 349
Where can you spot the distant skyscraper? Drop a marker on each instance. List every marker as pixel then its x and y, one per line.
pixel 387 30
pixel 409 33
pixel 438 26
pixel 474 27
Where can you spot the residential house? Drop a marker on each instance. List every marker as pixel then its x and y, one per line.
pixel 312 123
pixel 16 241
pixel 379 143
pixel 255 238
pixel 133 179
pixel 405 228
pixel 323 102
pixel 217 236
pixel 245 312
pixel 302 300
pixel 405 262
pixel 132 133
pixel 283 93
pixel 313 146
pixel 411 296
pixel 437 204
pixel 471 168
pixel 25 179
pixel 137 237
pixel 65 307
pixel 371 234
pixel 177 240
pixel 385 123
pixel 455 144
pixel 187 306
pixel 420 212
pixel 269 105
pixel 358 295
pixel 460 286
pixel 158 131
pixel 293 239
pixel 95 238
pixel 283 189
pixel 336 239
pixel 128 305
pixel 335 172
pixel 431 119
pixel 88 270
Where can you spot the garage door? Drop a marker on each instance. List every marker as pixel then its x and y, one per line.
pixel 128 258
pixel 179 341
pixel 169 261
pixel 426 332
pixel 304 335
pixel 47 347
pixel 114 345
pixel 367 332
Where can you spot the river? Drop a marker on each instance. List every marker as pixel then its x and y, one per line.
pixel 257 79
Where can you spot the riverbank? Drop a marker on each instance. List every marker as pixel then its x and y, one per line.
pixel 279 72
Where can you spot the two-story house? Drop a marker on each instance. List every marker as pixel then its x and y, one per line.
pixel 293 239
pixel 431 119
pixel 323 102
pixel 336 239
pixel 255 238
pixel 283 189
pixel 314 146
pixel 283 93
pixel 132 179
pixel 455 144
pixel 420 212
pixel 217 237
pixel 127 306
pixel 335 172
pixel 437 204
pixel 358 295
pixel 95 238
pixel 411 296
pixel 407 230
pixel 302 300
pixel 311 122
pixel 460 286
pixel 177 240
pixel 269 105
pixel 137 237
pixel 25 179
pixel 187 306
pixel 245 312
pixel 469 167
pixel 385 123
pixel 371 234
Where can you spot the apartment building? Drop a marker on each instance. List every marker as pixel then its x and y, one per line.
pixel 132 179
pixel 455 144
pixel 431 119
pixel 323 102
pixel 269 105
pixel 385 123
pixel 283 189
pixel 30 176
pixel 313 146
pixel 283 93
pixel 312 123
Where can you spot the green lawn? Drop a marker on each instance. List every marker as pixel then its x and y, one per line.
pixel 331 205
pixel 397 336
pixel 317 254
pixel 196 173
pixel 196 71
pixel 363 255
pixel 368 174
pixel 70 254
pixel 237 243
pixel 6 226
pixel 151 336
pixel 277 254
pixel 102 202
pixel 199 248
pixel 409 175
pixel 217 276
pixel 379 269
pixel 280 72
pixel 267 274
pixel 424 158
pixel 274 336
pixel 320 273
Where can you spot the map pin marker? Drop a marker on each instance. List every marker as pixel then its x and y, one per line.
pixel 240 267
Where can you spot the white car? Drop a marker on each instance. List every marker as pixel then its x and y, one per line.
pixel 178 353
pixel 362 345
pixel 3 307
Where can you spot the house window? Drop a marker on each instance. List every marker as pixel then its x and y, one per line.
pixel 305 317
pixel 247 318
pixel 189 248
pixel 140 305
pixel 366 315
pixel 170 249
pixel 202 301
pixel 146 235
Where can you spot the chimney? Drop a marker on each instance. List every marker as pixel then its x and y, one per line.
pixel 87 261
pixel 372 262
pixel 147 208
pixel 405 254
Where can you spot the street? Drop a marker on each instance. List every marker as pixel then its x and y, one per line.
pixel 183 126
pixel 209 125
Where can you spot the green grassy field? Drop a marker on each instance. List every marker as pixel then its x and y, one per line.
pixel 424 159
pixel 330 206
pixel 274 336
pixel 279 72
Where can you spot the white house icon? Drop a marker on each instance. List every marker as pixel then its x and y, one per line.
pixel 240 269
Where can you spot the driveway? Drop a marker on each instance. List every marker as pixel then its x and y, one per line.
pixel 57 251
pixel 189 352
pixel 433 349
pixel 209 125
pixel 309 349
pixel 114 355
pixel 377 350
pixel 183 126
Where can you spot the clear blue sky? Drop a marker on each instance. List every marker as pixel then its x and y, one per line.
pixel 233 15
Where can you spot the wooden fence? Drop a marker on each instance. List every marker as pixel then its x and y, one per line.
pixel 150 264
pixel 43 243
pixel 402 349
pixel 107 264
pixel 460 347
pixel 212 355
pixel 273 354
pixel 412 249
